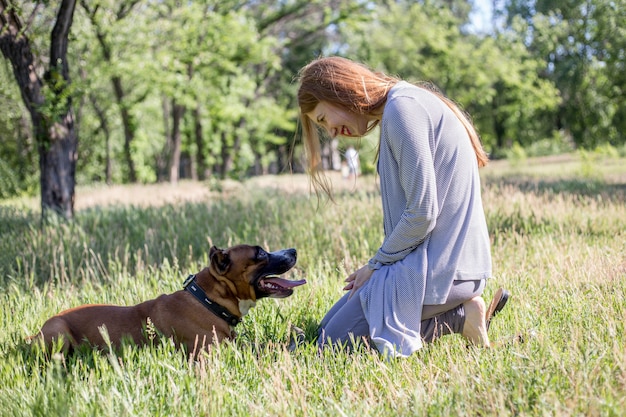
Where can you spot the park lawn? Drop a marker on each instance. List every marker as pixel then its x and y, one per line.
pixel 558 228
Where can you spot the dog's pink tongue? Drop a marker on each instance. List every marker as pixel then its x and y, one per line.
pixel 285 283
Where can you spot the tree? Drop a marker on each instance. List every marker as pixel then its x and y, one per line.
pixel 304 29
pixel 48 100
pixel 104 18
pixel 493 78
pixel 204 47
pixel 582 45
pixel 18 154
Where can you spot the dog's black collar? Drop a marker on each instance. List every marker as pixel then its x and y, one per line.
pixel 191 286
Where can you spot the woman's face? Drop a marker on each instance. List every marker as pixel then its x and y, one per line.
pixel 338 121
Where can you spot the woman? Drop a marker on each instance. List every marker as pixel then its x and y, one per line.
pixel 427 277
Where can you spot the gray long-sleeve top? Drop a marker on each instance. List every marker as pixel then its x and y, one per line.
pixel 434 222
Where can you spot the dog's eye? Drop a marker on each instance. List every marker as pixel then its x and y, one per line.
pixel 261 255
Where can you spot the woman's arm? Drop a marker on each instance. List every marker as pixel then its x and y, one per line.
pixel 409 131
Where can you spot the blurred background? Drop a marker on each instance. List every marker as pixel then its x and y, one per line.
pixel 146 91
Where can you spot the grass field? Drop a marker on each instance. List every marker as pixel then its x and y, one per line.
pixel 558 227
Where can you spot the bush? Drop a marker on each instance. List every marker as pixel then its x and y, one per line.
pixel 606 150
pixel 9 183
pixel 516 155
pixel 557 144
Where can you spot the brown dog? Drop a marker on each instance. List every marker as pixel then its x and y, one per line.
pixel 204 312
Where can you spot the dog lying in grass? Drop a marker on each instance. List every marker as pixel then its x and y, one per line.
pixel 211 303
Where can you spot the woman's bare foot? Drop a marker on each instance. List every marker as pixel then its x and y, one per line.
pixel 475 327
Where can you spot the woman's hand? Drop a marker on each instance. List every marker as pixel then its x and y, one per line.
pixel 356 279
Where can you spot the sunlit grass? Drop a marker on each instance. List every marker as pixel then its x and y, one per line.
pixel 559 246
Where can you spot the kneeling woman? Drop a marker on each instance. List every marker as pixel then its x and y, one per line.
pixel 427 277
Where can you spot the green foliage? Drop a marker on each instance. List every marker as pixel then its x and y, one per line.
pixel 199 56
pixel 516 155
pixel 57 93
pixel 9 184
pixel 18 163
pixel 494 78
pixel 607 151
pixel 579 45
pixel 548 76
pixel 555 145
pixel 590 161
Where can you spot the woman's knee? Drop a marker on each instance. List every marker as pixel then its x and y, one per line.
pixel 342 331
pixel 343 340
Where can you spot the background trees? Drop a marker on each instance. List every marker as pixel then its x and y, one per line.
pixel 580 46
pixel 46 91
pixel 494 77
pixel 170 89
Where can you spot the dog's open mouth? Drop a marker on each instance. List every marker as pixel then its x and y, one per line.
pixel 277 287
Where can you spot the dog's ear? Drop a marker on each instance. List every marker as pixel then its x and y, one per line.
pixel 212 251
pixel 220 260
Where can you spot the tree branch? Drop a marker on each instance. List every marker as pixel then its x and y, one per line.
pixel 59 39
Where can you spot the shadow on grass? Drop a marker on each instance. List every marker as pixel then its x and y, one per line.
pixel 615 192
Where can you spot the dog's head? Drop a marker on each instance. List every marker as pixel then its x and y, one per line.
pixel 254 273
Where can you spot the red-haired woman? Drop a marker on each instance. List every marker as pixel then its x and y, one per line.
pixel 427 277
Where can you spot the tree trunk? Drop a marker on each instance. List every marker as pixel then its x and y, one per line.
pixel 178 112
pixel 163 157
pixel 129 124
pixel 54 130
pixel 225 157
pixel 201 166
pixel 58 150
pixel 104 125
pixel 57 162
pixel 499 128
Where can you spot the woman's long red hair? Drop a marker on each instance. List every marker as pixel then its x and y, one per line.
pixel 355 87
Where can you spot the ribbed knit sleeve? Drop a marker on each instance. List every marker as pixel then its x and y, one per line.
pixel 430 187
pixel 408 131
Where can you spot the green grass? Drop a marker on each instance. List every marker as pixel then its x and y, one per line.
pixel 559 246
